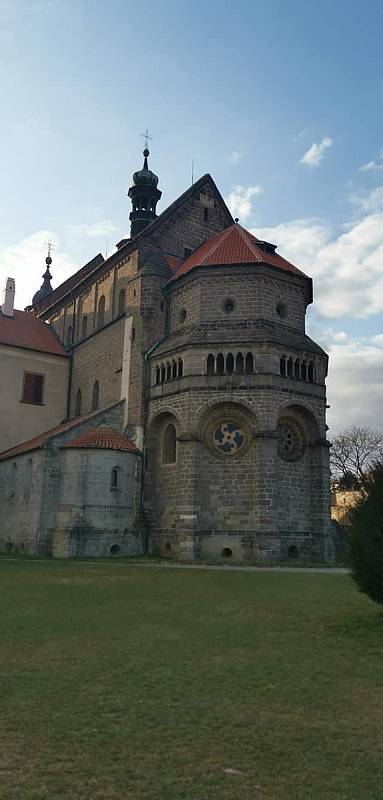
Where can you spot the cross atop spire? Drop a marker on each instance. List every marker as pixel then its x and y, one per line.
pixel 147 138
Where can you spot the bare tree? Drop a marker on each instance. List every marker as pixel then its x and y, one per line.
pixel 355 451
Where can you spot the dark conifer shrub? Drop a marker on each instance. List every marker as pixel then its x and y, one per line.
pixel 366 539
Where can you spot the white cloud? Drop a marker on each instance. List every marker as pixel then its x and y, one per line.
pixel 236 156
pixel 240 203
pixel 103 228
pixel 25 262
pixel 371 166
pixel 355 380
pixel 369 201
pixel 347 267
pixel 313 156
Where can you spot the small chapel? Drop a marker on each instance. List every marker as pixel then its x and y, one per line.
pixel 167 400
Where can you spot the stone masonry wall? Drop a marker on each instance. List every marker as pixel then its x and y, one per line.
pixel 254 295
pixel 30 485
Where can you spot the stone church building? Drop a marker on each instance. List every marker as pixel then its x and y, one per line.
pixel 196 404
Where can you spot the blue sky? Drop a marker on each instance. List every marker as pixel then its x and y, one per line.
pixel 280 101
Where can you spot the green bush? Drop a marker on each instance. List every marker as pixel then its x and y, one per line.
pixel 366 539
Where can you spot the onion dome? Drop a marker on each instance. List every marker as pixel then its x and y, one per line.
pixel 145 175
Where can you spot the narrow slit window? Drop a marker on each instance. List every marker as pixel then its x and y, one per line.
pixel 169 445
pixel 95 396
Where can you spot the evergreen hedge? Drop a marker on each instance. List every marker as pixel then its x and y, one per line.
pixel 366 539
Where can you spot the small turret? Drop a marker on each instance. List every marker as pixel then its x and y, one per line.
pixel 45 288
pixel 144 195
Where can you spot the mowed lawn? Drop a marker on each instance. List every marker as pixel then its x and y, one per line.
pixel 134 682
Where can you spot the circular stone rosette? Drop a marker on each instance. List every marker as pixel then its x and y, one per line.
pixel 228 436
pixel 291 439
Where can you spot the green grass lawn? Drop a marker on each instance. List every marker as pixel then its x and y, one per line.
pixel 132 682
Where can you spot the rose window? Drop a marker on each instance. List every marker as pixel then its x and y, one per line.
pixel 228 437
pixel 291 441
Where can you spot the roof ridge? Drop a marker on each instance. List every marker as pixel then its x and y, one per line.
pixel 217 241
pixel 244 234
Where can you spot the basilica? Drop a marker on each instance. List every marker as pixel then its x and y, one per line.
pixel 167 400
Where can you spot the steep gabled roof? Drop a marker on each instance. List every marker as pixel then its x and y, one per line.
pixel 127 245
pixel 102 438
pixel 30 333
pixel 235 245
pixel 195 187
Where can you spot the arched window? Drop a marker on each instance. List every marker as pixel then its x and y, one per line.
pixel 249 365
pixel 84 326
pixel 95 396
pixel 303 371
pixel 220 364
pixel 174 370
pixel 69 336
pixel 180 367
pixel 158 375
pixel 290 368
pixel 77 410
pixel 297 370
pixel 121 302
pixel 114 478
pixel 28 479
pixel 101 312
pixel 310 372
pixel 169 445
pixel 210 364
pixel 239 364
pixel 163 373
pixel 168 372
pixel 229 363
pixel 282 366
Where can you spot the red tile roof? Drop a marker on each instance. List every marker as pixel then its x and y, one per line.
pixel 38 441
pixel 102 438
pixel 234 245
pixel 27 331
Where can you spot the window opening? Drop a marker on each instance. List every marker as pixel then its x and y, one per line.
pixel 121 302
pixel 101 312
pixel 220 364
pixel 239 364
pixel 95 396
pixel 32 388
pixel 114 478
pixel 210 364
pixel 84 326
pixel 180 368
pixel 169 445
pixel 249 364
pixel 69 336
pixel 229 364
pixel 78 403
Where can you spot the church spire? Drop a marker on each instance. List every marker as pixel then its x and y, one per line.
pixel 45 288
pixel 144 195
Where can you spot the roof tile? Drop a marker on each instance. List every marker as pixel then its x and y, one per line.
pixel 234 245
pixel 27 331
pixel 102 438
